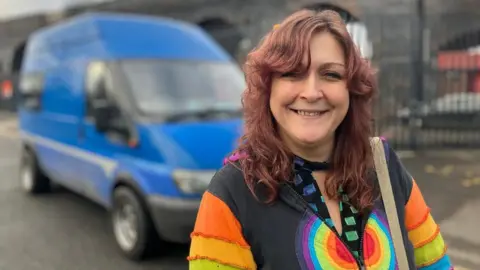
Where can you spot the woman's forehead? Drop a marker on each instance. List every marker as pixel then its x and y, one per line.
pixel 324 50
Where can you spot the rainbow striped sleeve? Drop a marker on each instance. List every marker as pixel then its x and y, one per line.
pixel 217 240
pixel 424 233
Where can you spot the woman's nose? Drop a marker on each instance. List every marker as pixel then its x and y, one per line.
pixel 311 90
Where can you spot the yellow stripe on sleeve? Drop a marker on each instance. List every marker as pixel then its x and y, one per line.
pixel 222 252
pixel 431 252
pixel 204 264
pixel 425 233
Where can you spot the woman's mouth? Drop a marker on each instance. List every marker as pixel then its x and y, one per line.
pixel 309 113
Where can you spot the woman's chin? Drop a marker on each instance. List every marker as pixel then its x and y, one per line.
pixel 310 140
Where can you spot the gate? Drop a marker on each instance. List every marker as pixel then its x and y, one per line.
pixel 429 92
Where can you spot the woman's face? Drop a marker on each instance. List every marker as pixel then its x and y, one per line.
pixel 309 108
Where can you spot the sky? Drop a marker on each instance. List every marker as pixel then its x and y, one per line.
pixel 14 8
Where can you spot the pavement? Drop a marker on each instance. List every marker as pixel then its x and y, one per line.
pixel 450 183
pixel 64 231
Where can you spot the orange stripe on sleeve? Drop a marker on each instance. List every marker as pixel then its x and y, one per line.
pixel 425 233
pixel 416 210
pixel 215 219
pixel 221 252
pixel 217 239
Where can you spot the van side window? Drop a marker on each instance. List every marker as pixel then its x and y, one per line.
pixel 98 85
pixel 99 92
pixel 31 88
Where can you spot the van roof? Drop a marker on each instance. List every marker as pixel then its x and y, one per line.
pixel 130 36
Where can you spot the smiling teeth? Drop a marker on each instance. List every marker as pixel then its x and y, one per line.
pixel 308 113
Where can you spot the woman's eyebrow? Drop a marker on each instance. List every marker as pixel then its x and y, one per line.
pixel 331 64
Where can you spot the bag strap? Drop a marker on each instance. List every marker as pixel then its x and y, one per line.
pixel 389 202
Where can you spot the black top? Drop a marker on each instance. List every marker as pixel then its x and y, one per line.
pixel 306 186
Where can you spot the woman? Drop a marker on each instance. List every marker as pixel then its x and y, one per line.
pixel 300 192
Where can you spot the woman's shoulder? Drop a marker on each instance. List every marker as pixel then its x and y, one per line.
pixel 229 176
pixel 399 175
pixel 228 184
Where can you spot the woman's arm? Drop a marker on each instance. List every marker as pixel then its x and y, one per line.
pixel 424 233
pixel 217 240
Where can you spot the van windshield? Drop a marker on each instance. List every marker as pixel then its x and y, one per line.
pixel 172 88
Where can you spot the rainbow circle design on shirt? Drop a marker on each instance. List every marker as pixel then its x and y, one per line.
pixel 378 250
pixel 318 247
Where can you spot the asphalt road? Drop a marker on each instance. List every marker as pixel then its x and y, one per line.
pixel 450 183
pixel 62 231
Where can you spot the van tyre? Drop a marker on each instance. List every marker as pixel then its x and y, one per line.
pixel 33 181
pixel 132 227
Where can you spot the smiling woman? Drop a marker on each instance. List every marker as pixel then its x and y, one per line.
pixel 321 71
pixel 300 192
pixel 309 105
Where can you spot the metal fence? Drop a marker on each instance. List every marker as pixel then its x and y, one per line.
pixel 429 93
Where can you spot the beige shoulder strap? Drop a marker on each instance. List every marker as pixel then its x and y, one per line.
pixel 389 201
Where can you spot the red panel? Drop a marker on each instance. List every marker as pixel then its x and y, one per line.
pixel 458 60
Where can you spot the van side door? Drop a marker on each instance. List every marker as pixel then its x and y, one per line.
pixel 106 132
pixel 48 126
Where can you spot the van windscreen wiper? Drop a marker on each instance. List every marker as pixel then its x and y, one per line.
pixel 206 114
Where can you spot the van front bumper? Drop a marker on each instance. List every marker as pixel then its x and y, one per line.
pixel 174 218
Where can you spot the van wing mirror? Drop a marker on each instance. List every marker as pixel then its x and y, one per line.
pixel 102 113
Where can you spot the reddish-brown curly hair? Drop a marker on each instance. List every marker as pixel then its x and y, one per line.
pixel 265 158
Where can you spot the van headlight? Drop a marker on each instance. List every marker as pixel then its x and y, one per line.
pixel 192 181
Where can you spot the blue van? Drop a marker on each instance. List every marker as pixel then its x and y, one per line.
pixel 133 112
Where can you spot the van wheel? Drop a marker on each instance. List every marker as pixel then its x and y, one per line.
pixel 31 177
pixel 132 227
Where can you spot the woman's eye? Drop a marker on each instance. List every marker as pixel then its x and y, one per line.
pixel 290 75
pixel 333 76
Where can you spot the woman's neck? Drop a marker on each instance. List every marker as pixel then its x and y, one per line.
pixel 318 153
